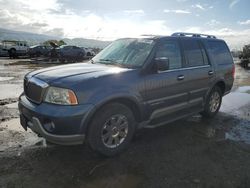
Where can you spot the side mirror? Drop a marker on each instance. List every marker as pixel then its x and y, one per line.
pixel 162 63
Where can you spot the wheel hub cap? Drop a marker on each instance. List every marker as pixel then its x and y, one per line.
pixel 114 131
pixel 214 102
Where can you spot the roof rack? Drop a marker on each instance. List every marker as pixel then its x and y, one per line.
pixel 180 34
pixel 150 35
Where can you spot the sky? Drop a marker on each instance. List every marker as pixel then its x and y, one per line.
pixel 112 19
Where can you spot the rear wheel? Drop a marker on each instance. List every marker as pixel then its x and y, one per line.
pixel 213 103
pixel 111 130
pixel 80 57
pixel 12 53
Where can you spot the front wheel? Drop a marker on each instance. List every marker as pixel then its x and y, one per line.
pixel 213 103
pixel 111 130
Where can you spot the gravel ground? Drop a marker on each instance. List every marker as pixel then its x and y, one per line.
pixel 193 152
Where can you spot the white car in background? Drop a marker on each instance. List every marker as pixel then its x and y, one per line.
pixel 15 48
pixel 89 52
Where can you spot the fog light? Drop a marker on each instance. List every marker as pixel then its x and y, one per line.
pixel 49 126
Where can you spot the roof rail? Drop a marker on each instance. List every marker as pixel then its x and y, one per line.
pixel 150 35
pixel 180 34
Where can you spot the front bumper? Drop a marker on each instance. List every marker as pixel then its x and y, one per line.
pixel 58 124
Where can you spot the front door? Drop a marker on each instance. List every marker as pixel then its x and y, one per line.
pixel 166 91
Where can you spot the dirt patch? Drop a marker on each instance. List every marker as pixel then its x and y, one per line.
pixel 8 101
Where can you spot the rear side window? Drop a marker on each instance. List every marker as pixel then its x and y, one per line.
pixel 170 50
pixel 193 53
pixel 219 52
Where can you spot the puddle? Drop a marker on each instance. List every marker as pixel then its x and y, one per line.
pixel 243 89
pixel 236 100
pixel 10 90
pixel 12 105
pixel 5 78
pixel 240 133
pixel 13 135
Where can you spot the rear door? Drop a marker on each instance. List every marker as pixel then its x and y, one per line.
pixel 222 60
pixel 200 71
pixel 166 91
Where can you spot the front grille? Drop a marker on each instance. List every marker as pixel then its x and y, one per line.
pixel 34 89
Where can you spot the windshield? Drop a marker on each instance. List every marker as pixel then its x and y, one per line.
pixel 126 52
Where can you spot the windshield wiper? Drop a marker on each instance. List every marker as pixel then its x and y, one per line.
pixel 114 62
pixel 110 62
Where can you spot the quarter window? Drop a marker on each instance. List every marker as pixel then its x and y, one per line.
pixel 170 50
pixel 193 53
pixel 220 52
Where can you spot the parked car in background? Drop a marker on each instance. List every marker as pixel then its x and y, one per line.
pixel 39 50
pixel 89 52
pixel 245 56
pixel 15 48
pixel 3 53
pixel 70 53
pixel 131 84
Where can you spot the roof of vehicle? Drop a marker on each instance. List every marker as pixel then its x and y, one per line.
pixel 14 41
pixel 182 35
pixel 65 45
pixel 38 45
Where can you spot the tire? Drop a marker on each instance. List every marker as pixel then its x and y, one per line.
pixel 80 57
pixel 12 53
pixel 109 138
pixel 38 54
pixel 213 103
pixel 62 60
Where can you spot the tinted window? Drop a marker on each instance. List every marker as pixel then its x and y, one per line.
pixel 171 50
pixel 205 58
pixel 193 53
pixel 219 52
pixel 67 47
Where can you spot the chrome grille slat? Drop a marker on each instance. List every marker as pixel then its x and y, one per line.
pixel 34 89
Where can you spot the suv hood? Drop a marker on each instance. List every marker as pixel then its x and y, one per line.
pixel 79 70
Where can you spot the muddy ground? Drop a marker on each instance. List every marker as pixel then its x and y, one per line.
pixel 193 152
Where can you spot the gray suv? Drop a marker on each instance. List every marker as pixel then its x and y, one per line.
pixel 131 84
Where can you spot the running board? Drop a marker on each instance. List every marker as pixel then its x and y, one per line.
pixel 146 124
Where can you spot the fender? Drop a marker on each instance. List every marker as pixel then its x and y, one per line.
pixel 109 97
pixel 212 86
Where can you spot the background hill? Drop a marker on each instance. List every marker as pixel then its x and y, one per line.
pixel 33 39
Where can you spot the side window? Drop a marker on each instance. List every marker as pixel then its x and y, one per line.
pixel 204 55
pixel 193 53
pixel 219 52
pixel 170 50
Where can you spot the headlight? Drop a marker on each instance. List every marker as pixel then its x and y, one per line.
pixel 60 96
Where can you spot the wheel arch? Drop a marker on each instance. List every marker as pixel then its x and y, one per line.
pixel 127 101
pixel 12 49
pixel 222 85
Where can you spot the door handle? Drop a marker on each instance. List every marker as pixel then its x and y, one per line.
pixel 180 77
pixel 210 72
